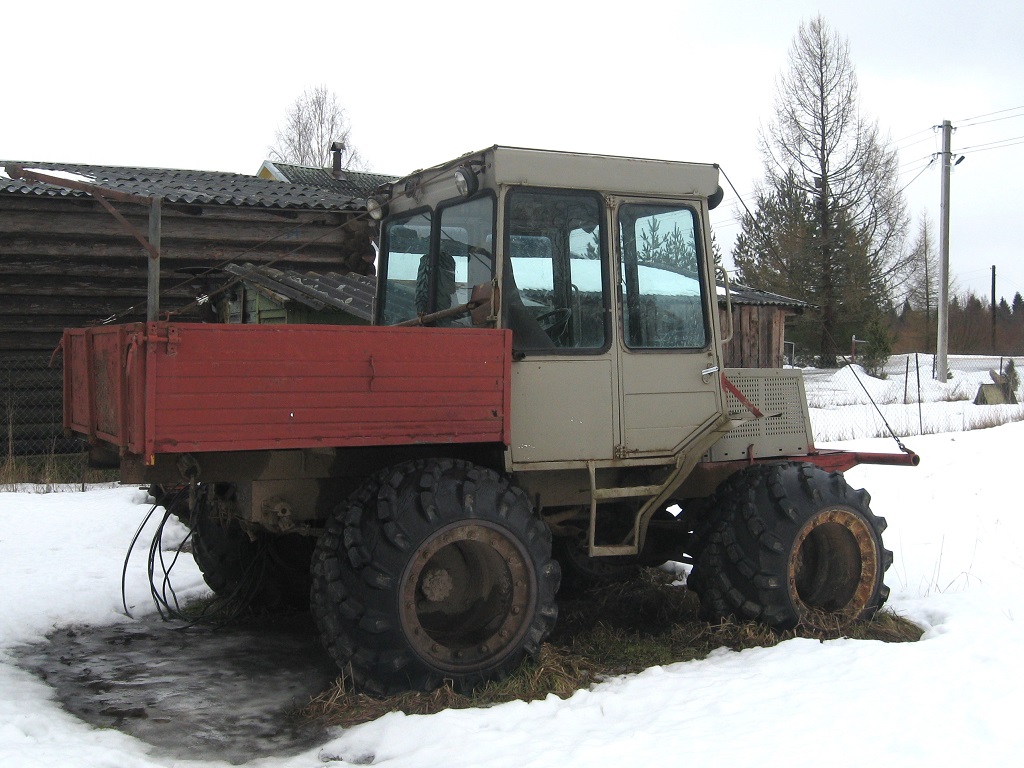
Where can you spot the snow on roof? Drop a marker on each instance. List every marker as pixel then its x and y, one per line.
pixel 59 174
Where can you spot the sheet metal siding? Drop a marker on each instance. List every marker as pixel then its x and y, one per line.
pixel 195 387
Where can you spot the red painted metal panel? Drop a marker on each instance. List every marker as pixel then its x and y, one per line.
pixel 194 387
pixel 93 379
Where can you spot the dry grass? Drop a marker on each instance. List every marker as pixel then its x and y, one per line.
pixel 608 631
pixel 49 471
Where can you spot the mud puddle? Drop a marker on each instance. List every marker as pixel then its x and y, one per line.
pixel 201 693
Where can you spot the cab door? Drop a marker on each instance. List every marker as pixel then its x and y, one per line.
pixel 668 360
pixel 556 298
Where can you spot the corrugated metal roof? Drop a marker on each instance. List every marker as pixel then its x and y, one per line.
pixel 357 183
pixel 741 294
pixel 349 293
pixel 185 186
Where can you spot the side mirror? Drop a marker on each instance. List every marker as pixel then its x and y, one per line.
pixel 715 199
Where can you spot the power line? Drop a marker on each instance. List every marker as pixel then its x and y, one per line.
pixel 986 149
pixel 991 144
pixel 907 165
pixel 989 114
pixel 912 135
pixel 993 120
pixel 918 174
pixel 915 143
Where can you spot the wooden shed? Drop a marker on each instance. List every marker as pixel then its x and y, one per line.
pixel 67 261
pixel 759 326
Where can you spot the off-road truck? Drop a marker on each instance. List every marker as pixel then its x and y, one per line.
pixel 540 394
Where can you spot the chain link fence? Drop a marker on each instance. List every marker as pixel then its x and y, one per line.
pixel 34 447
pixel 910 401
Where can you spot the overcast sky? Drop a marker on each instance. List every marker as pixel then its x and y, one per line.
pixel 205 85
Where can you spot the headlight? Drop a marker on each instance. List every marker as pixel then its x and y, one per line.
pixel 376 208
pixel 466 181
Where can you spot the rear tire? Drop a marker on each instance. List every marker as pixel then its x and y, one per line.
pixel 433 571
pixel 791 544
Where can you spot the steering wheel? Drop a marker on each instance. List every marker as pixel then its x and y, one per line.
pixel 555 322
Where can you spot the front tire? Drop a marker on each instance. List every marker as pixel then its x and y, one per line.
pixel 433 571
pixel 788 545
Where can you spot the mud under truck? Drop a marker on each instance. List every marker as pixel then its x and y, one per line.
pixel 540 394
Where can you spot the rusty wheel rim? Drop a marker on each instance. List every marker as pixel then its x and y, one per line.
pixel 467 597
pixel 833 568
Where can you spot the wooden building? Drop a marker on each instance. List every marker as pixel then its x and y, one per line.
pixel 66 261
pixel 759 326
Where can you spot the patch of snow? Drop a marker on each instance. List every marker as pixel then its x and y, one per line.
pixel 64 175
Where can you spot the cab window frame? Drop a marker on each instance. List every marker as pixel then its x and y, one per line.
pixel 510 288
pixel 434 214
pixel 629 293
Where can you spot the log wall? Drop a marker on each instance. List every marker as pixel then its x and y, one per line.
pixel 65 262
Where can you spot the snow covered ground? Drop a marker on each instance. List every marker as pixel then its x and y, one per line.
pixel 956 529
pixel 910 400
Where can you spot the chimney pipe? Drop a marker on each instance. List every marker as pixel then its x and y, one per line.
pixel 336 149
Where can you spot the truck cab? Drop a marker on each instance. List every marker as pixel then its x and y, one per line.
pixel 601 268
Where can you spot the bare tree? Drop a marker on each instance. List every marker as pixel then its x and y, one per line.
pixel 314 122
pixel 848 245
pixel 924 283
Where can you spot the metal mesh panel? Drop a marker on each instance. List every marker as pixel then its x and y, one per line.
pixel 779 395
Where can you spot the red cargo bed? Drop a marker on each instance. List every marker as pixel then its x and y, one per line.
pixel 187 387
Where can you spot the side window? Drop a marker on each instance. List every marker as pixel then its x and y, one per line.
pixel 421 280
pixel 406 245
pixel 465 255
pixel 555 296
pixel 661 282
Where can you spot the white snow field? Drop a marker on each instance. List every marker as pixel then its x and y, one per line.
pixel 955 527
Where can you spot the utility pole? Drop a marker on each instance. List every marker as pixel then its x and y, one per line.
pixel 942 343
pixel 993 309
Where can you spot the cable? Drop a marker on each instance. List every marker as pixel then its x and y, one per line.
pixel 989 114
pixel 994 120
pixel 915 143
pixel 929 165
pixel 929 157
pixel 929 129
pixel 219 612
pixel 992 144
pixel 128 554
pixel 881 415
pixel 975 151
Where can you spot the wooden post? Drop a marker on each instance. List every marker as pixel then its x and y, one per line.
pixel 153 286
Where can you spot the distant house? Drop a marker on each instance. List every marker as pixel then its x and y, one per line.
pixel 344 182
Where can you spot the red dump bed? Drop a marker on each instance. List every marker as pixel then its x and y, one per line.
pixel 187 387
